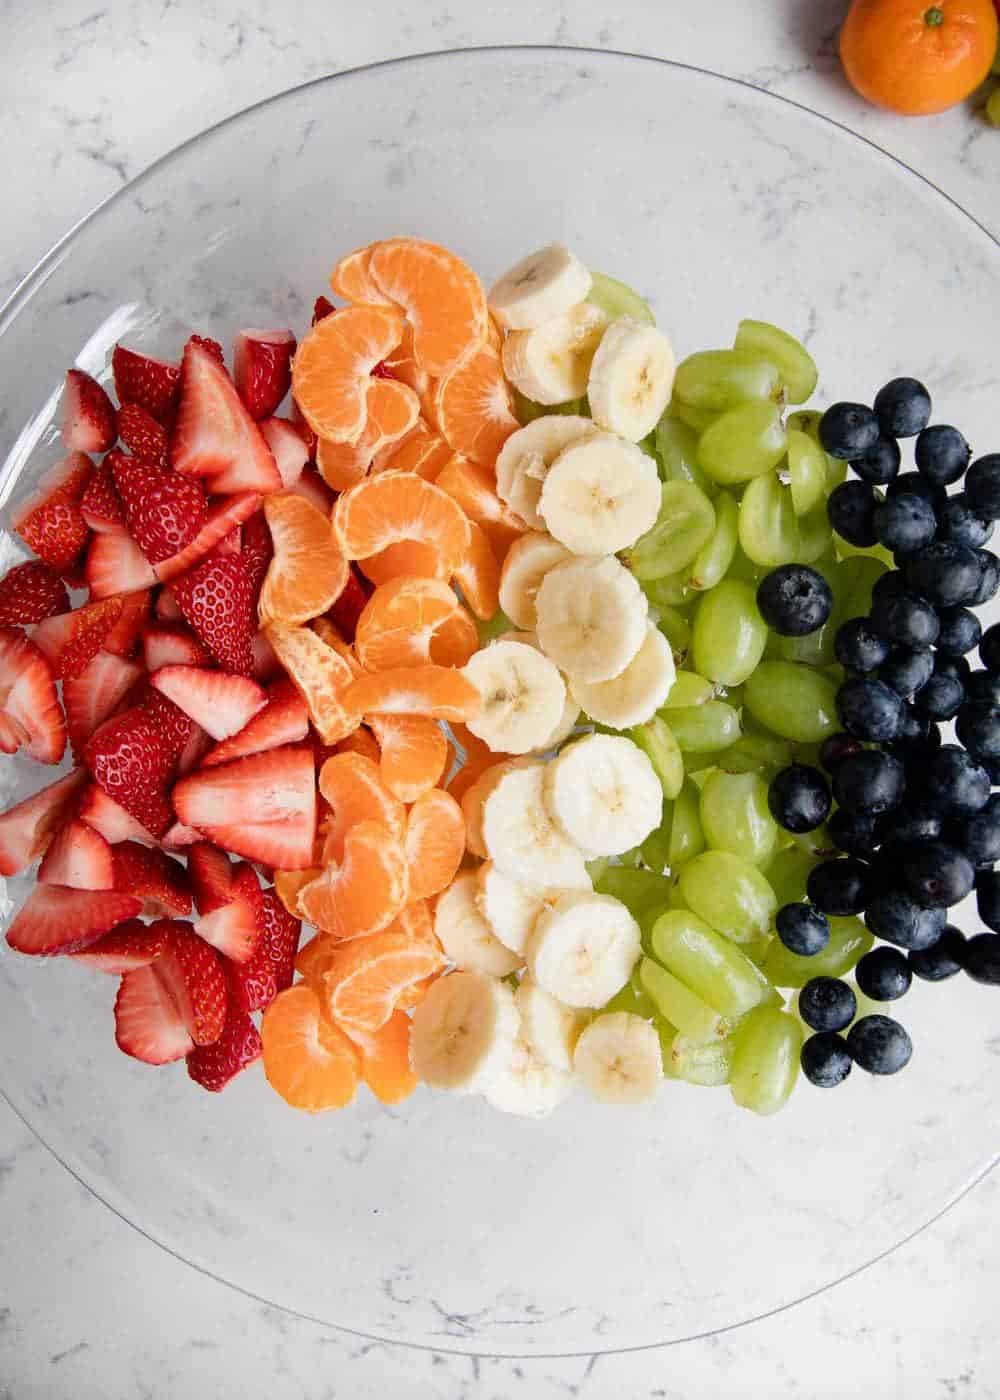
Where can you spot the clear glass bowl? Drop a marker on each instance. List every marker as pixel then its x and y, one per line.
pixel 444 1223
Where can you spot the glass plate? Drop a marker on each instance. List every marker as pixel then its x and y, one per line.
pixel 443 1223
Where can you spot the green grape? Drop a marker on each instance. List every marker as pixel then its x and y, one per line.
pixel 685 522
pixel 742 443
pixel 791 700
pixel 677 450
pixel 693 417
pixel 768 526
pixel 648 921
pixel 634 999
pixel 708 1063
pixel 845 550
pixel 677 900
pixel 709 964
pixel 806 420
pixel 688 689
pixel 816 648
pixel 744 570
pixel 680 1006
pixel 849 940
pixel 639 890
pixel 756 753
pixel 631 860
pixel 701 728
pixel 648 445
pixel 686 836
pixel 526 410
pixel 661 748
pixel 787 874
pixel 836 472
pixel 735 816
pixel 494 627
pixel 817 842
pixel 729 634
pixel 866 1005
pixel 711 564
pixel 732 694
pixel 616 299
pixel 597 867
pixel 757 949
pixel 717 380
pixel 656 847
pixel 676 628
pixel 993 101
pixel 857 578
pixel 765 1062
pixel 729 893
pixel 795 365
pixel 806 472
pixel 670 591
pixel 815 536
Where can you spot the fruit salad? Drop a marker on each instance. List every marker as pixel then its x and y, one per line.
pixel 462 693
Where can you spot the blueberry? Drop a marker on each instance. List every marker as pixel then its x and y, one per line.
pixel 992 766
pixel 827 1004
pixel 959 631
pixel 883 974
pixel 869 709
pixel 951 781
pixel 879 1044
pixel 983 687
pixel 989 578
pixel 982 486
pixel 979 835
pixel 903 407
pixel 799 798
pixel 988 898
pixel 942 454
pixel 956 520
pixel 839 887
pixel 907 670
pixel 941 698
pixel 978 728
pixel 897 918
pixel 851 510
pixel 989 648
pixel 835 748
pixel 918 737
pixel 911 825
pixel 889 585
pixel 825 1059
pixel 937 875
pixel 802 930
pixel 848 430
pixel 858 647
pixel 794 600
pixel 942 959
pixel 869 782
pixel 913 484
pixel 905 618
pixel 981 958
pixel 853 832
pixel 881 464
pixel 905 523
pixel 956 666
pixel 943 572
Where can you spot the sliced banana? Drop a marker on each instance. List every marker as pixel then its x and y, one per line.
pixel 591 617
pixel 583 949
pixel 467 939
pixel 600 495
pixel 510 907
pixel 526 456
pixel 550 1029
pixel 542 285
pixel 551 364
pixel 603 794
pixel 571 710
pixel 618 1057
pixel 528 1085
pixel 634 696
pixel 521 838
pixel 631 376
pixel 463 1032
pixel 524 696
pixel 528 561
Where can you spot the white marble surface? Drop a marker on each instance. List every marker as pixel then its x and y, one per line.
pixel 92 92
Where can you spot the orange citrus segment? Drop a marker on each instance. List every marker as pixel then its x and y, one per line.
pixel 403 366
pixel 478 757
pixel 362 741
pixel 400 508
pixel 330 373
pixel 308 572
pixel 367 891
pixel 478 574
pixel 287 884
pixel 312 960
pixel 319 674
pixel 414 752
pixel 309 1062
pixel 442 296
pixel 435 843
pixel 436 691
pixel 404 560
pixel 422 451
pixel 368 975
pixel 400 620
pixel 351 278
pixel 455 640
pixel 328 632
pixel 354 789
pixel 385 1059
pixel 472 406
pixel 494 335
pixel 393 409
pixel 417 923
pixel 473 487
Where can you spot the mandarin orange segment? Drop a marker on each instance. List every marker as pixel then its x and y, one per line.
pixel 435 843
pixel 400 508
pixel 443 299
pixel 308 572
pixel 440 692
pixel 362 741
pixel 393 409
pixel 494 335
pixel 319 674
pixel 404 560
pixel 478 574
pixel 414 752
pixel 477 758
pixel 312 960
pixel 400 620
pixel 422 451
pixel 368 976
pixel 417 922
pixel 329 633
pixel 352 280
pixel 385 1059
pixel 473 487
pixel 354 789
pixel 403 366
pixel 455 640
pixel 330 373
pixel 473 407
pixel 311 1063
pixel 287 884
pixel 367 891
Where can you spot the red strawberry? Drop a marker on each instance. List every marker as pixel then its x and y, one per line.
pixel 290 449
pixel 179 837
pixel 284 720
pixel 257 550
pixel 282 932
pixel 161 883
pixel 262 807
pixel 208 344
pixel 50 521
pixel 78 857
pixel 148 1025
pixel 163 511
pixel 30 593
pixel 88 415
pixel 27 828
pixel 223 516
pixel 193 974
pixel 148 382
pixel 99 504
pixel 214 436
pixel 265 661
pixel 262 369
pixel 214 1066
pixel 122 638
pixel 254 984
pixel 308 436
pixel 166 608
pixel 110 818
pixel 231 543
pixel 312 488
pixel 116 564
pixel 217 601
pixel 193 752
pixel 28 697
pixel 170 722
pixel 93 696
pixel 232 929
pixel 13 736
pixel 125 948
pixel 131 758
pixel 222 704
pixel 54 919
pixel 211 873
pixel 142 434
pixel 347 609
pixel 322 307
pixel 171 646
pixel 72 640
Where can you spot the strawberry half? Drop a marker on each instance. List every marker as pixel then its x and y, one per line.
pixel 255 983
pixel 290 449
pixel 142 434
pixel 211 873
pixel 50 521
pixel 257 549
pixel 284 720
pixel 171 723
pixel 78 857
pixel 322 307
pixel 124 636
pixel 171 646
pixel 161 883
pixel 28 698
pixel 166 608
pixel 88 415
pixel 27 828
pixel 221 703
pixel 108 817
pixel 262 369
pixel 99 504
pixel 93 696
pixel 282 932
pixel 131 759
pixel 312 488
pixel 215 1066
pixel 213 434
pixel 116 564
pixel 216 599
pixel 125 948
pixel 235 927
pixel 54 919
pixel 71 641
pixel 193 974
pixel 210 346
pixel 146 381
pixel 163 510
pixel 148 1024
pixel 30 593
pixel 224 515
pixel 347 609
pixel 265 661
pixel 180 837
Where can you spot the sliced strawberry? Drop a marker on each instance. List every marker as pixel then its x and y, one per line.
pixel 223 517
pixel 221 703
pixel 71 641
pixel 124 636
pixel 148 1025
pixel 170 722
pixel 212 347
pixel 265 661
pixel 213 435
pixel 30 593
pixel 217 601
pixel 163 510
pixel 142 434
pixel 78 857
pixel 254 984
pixel 211 873
pixel 146 381
pixel 262 807
pixel 308 436
pixel 50 521
pixel 312 488
pixel 116 564
pixel 284 720
pixel 193 753
pixel 291 451
pixel 166 608
pixel 258 550
pixel 131 758
pixel 125 948
pixel 13 736
pixel 282 932
pixel 99 505
pixel 179 837
pixel 161 883
pixel 231 543
pixel 322 307
pixel 88 415
pixel 28 697
pixel 231 929
pixel 55 919
pixel 193 974
pixel 215 1066
pixel 27 828
pixel 262 369
pixel 347 609
pixel 110 818
pixel 93 696
pixel 231 917
pixel 171 646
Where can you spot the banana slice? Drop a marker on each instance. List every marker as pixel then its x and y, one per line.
pixel 591 617
pixel 464 934
pixel 600 495
pixel 510 907
pixel 542 285
pixel 524 696
pixel 521 838
pixel 603 794
pixel 634 696
pixel 571 710
pixel 528 1085
pixel 528 561
pixel 551 364
pixel 631 376
pixel 550 1029
pixel 526 456
pixel 462 1033
pixel 583 949
pixel 618 1057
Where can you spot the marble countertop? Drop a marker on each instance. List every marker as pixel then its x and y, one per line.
pixel 88 1308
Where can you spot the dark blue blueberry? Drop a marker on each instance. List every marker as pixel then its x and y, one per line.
pixel 851 511
pixel 988 898
pixel 989 648
pixel 903 407
pixel 982 486
pixel 869 709
pixel 959 631
pixel 802 930
pixel 942 959
pixel 905 618
pixel 839 887
pixel 992 766
pixel 869 782
pixel 952 782
pixel 941 698
pixel 889 584
pixel 981 958
pixel 879 1044
pixel 848 430
pixel 956 520
pixel 979 835
pixel 905 523
pixel 881 464
pixel 938 875
pixel 794 600
pixel 907 670
pixel 853 832
pixel 827 1004
pixel 883 974
pixel 825 1059
pixel 799 798
pixel 989 578
pixel 913 484
pixel 943 572
pixel 983 687
pixel 957 666
pixel 911 825
pixel 897 918
pixel 835 748
pixel 978 728
pixel 858 647
pixel 942 454
pixel 918 738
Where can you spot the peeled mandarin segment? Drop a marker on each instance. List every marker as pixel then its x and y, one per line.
pixel 352 280
pixel 309 1062
pixel 400 508
pixel 456 640
pixel 362 741
pixel 438 692
pixel 320 675
pixel 442 297
pixel 393 409
pixel 328 632
pixel 312 960
pixel 434 842
pixel 402 365
pixel 400 620
pixel 330 373
pixel 385 1059
pixel 473 800
pixel 473 407
pixel 414 995
pixel 367 891
pixel 417 922
pixel 343 464
pixel 368 975
pixel 422 451
pixel 354 789
pixel 494 335
pixel 478 757
pixel 404 560
pixel 414 752
pixel 287 884
pixel 472 487
pixel 478 574
pixel 308 573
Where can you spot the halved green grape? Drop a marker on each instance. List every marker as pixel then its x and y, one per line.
pixel 757 949
pixel 634 999
pixel 697 419
pixel 765 1062
pixel 661 748
pixel 688 689
pixel 756 753
pixel 680 1006
pixel 711 564
pixel 670 591
pixel 708 1063
pixel 701 728
pixel 617 299
pixel 768 526
pixel 729 634
pixel 857 579
pixel 709 964
pixel 493 627
pixel 639 890
pixel 677 450
pixel 656 847
pixel 806 420
pixel 744 570
pixel 815 536
pixel 849 940
pixel 791 700
pixel 685 522
pixel 742 443
pixel 729 893
pixel 675 627
pixel 717 380
pixel 787 874
pixel 686 836
pixel 795 364
pixel 597 867
pixel 806 471
pixel 735 816
pixel 845 550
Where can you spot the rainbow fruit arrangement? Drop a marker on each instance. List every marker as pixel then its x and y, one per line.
pixel 402 665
